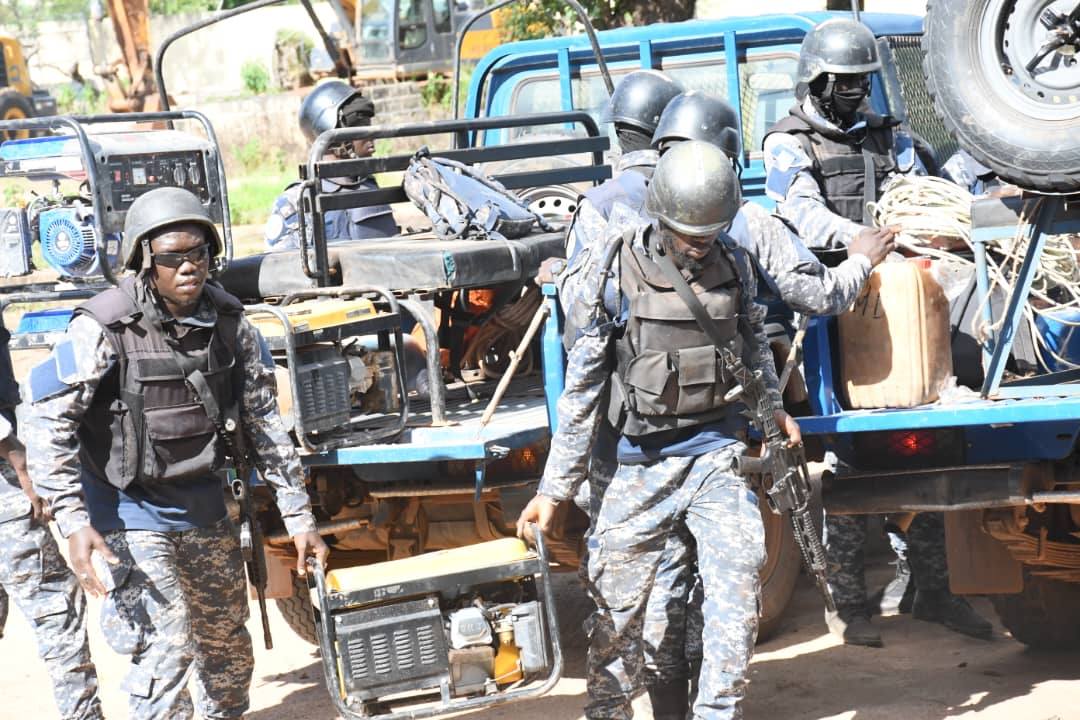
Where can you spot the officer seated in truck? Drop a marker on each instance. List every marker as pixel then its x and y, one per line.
pixel 331 105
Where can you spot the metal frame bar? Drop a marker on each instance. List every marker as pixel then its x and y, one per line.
pixel 1003 342
pixel 329 655
pixel 75 123
pixel 368 435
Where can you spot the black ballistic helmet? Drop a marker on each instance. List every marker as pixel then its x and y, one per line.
pixel 639 98
pixel 156 210
pixel 840 46
pixel 334 104
pixel 696 115
pixel 694 189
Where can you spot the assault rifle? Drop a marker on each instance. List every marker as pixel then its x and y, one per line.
pixel 791 489
pixel 251 542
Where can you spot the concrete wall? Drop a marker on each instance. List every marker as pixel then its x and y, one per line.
pixel 201 66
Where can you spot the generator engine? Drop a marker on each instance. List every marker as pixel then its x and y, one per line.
pixel 68 239
pixel 470 623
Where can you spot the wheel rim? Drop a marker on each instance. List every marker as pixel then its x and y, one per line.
pixel 1012 34
pixel 15 114
pixel 774 539
pixel 551 203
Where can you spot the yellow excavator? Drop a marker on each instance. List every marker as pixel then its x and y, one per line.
pixel 19 98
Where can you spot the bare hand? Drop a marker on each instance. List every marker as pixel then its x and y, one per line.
pixel 310 544
pixel 789 427
pixel 17 458
pixel 81 545
pixel 541 510
pixel 545 273
pixel 874 243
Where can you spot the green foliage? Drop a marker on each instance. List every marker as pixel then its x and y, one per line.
pixel 252 195
pixel 256 77
pixel 72 99
pixel 436 92
pixel 22 16
pixel 176 7
pixel 530 19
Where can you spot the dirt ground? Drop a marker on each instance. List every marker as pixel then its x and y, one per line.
pixel 924 672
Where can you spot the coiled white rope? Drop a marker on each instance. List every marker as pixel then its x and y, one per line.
pixel 929 209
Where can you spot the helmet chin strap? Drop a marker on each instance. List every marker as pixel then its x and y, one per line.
pixel 147 261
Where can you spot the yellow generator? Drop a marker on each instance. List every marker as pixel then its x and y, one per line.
pixel 441 632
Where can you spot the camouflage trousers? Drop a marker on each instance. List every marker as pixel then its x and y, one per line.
pixel 35 576
pixel 644 505
pixel 845 536
pixel 178 607
pixel 669 650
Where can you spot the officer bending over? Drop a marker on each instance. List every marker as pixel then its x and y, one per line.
pixel 125 444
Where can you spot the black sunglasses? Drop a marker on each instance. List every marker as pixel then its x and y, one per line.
pixel 196 256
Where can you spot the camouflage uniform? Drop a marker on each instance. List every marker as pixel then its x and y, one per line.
pixel 800 201
pixel 282 230
pixel 177 600
pixel 39 581
pixel 698 497
pixel 798 195
pixel 845 536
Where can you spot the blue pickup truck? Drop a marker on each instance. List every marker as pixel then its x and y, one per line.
pixel 1002 466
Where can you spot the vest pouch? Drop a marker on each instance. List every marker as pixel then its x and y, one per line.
pixel 699 379
pixel 181 442
pixel 652 389
pixel 119 465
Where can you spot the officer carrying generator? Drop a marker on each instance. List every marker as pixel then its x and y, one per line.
pixel 128 433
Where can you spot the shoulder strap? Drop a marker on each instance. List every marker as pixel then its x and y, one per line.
pixel 701 315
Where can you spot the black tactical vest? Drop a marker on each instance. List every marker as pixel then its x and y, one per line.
pixel 145 423
pixel 840 161
pixel 668 373
pixel 9 388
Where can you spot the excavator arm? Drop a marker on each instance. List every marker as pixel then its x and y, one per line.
pixel 130 80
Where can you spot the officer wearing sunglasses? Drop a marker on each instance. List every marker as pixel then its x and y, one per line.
pixel 125 444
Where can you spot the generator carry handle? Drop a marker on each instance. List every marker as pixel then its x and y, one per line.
pixel 329 655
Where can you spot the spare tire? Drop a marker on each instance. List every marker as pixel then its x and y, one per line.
pixel 1023 124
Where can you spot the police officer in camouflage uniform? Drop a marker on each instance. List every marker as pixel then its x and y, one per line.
pixel 126 445
pixel 824 163
pixel 788 273
pixel 331 105
pixel 664 387
pixel 33 572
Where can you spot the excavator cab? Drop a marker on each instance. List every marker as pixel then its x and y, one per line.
pixel 409 38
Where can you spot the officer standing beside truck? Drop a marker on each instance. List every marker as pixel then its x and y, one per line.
pixel 128 433
pixel 825 161
pixel 663 380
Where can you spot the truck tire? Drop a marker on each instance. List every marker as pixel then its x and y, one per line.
pixel 1024 125
pixel 780 572
pixel 14 106
pixel 297 611
pixel 1043 616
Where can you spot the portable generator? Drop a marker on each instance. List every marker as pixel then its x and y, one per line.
pixel 438 633
pixel 340 364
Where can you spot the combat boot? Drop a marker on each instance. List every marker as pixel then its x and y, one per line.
pixel 897 596
pixel 954 612
pixel 853 627
pixel 670 699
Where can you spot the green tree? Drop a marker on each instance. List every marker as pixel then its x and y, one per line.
pixel 529 19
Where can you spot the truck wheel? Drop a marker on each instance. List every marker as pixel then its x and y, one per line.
pixel 298 612
pixel 1043 616
pixel 14 106
pixel 1023 124
pixel 780 572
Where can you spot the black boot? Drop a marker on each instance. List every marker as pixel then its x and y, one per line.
pixel 853 627
pixel 896 597
pixel 670 699
pixel 954 612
